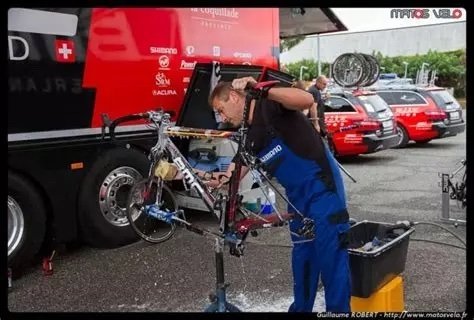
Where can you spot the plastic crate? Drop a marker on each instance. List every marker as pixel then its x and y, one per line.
pixel 371 270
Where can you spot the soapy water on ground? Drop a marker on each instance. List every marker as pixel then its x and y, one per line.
pixel 264 302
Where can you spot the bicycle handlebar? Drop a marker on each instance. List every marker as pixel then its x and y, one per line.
pixel 153 116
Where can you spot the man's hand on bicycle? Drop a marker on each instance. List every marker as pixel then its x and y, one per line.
pixel 217 181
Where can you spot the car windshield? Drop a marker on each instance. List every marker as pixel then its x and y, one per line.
pixel 373 103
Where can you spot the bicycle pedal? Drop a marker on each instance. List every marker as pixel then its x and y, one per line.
pixel 254 233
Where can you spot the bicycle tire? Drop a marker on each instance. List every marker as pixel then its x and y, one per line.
pixel 347 70
pixel 229 307
pixel 367 70
pixel 375 74
pixel 147 227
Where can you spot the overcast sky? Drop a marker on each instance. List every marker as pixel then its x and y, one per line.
pixel 364 19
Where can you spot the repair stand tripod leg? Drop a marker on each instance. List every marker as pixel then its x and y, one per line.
pixel 445 200
pixel 218 300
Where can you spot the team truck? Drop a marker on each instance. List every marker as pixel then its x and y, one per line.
pixel 68 67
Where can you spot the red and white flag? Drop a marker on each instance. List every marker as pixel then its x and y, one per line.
pixel 65 51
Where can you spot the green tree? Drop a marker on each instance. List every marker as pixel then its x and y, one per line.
pixel 311 72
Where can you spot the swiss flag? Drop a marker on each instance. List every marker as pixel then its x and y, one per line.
pixel 65 51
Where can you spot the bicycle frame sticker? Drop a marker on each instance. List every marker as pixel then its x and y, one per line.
pixel 187 175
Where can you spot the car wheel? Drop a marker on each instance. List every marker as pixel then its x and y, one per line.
pixel 402 133
pixel 103 197
pixel 26 220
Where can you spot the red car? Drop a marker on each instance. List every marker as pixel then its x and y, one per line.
pixel 359 122
pixel 423 113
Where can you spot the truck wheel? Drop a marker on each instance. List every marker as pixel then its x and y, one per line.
pixel 402 133
pixel 26 220
pixel 103 198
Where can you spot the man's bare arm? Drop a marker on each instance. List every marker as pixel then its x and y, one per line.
pixel 290 98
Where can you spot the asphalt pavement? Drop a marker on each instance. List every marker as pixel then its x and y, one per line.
pixel 178 275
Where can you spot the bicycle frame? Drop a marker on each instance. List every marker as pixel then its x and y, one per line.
pixel 222 206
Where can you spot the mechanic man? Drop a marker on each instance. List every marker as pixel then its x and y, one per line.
pixel 315 90
pixel 293 152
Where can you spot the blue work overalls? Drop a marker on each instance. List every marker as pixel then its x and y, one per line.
pixel 326 254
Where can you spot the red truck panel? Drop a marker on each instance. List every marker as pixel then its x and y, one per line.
pixel 141 58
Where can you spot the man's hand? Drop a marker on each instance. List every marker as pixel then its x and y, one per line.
pixel 218 181
pixel 241 83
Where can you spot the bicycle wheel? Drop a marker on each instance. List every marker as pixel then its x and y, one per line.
pixel 149 228
pixel 367 70
pixel 347 69
pixel 375 69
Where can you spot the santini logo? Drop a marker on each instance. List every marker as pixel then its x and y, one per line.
pixel 271 153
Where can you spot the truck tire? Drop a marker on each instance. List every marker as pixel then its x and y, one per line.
pixel 103 196
pixel 26 220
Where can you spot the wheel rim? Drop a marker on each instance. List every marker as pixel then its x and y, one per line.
pixel 400 135
pixel 113 194
pixel 147 227
pixel 16 225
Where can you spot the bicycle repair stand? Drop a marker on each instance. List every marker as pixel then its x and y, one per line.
pixel 445 181
pixel 218 299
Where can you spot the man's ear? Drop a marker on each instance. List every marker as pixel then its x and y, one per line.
pixel 233 96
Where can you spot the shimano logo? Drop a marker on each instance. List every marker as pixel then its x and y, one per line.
pixel 271 153
pixel 163 50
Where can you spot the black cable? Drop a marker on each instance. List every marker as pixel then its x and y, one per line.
pixel 442 227
pixel 439 242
